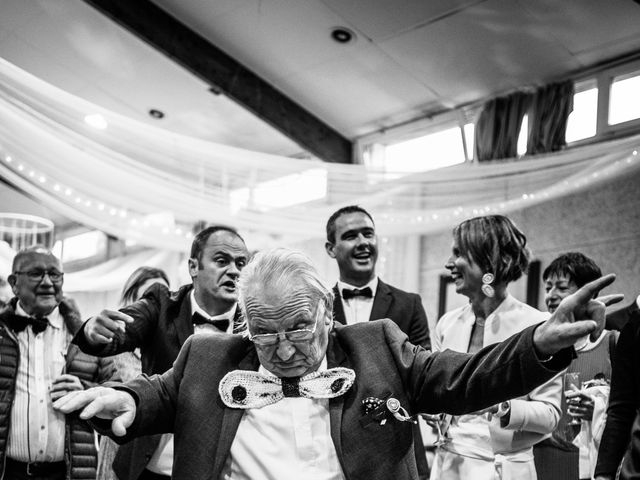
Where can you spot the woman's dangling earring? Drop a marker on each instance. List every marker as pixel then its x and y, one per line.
pixel 487 289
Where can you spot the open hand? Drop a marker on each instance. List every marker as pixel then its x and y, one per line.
pixel 577 315
pixel 101 329
pixel 101 402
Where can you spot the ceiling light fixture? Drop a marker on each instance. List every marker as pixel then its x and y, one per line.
pixel 342 35
pixel 157 114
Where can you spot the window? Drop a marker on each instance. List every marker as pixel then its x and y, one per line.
pixel 624 98
pixel 436 150
pixel 583 119
pixel 81 246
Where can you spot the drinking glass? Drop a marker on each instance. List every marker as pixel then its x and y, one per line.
pixel 572 383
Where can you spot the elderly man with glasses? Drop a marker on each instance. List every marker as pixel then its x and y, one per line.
pixel 297 397
pixel 38 364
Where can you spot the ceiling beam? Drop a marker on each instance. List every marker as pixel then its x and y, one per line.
pixel 226 75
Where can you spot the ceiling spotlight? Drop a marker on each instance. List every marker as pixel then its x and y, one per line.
pixel 342 35
pixel 157 114
pixel 96 121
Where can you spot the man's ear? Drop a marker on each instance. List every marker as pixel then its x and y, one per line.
pixel 330 248
pixel 12 281
pixel 193 267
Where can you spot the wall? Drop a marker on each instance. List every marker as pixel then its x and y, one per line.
pixel 603 223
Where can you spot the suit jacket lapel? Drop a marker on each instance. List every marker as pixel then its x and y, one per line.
pixel 238 321
pixel 337 358
pixel 231 418
pixel 381 302
pixel 338 309
pixel 183 322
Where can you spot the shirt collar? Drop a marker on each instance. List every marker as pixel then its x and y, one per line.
pixel 373 285
pixel 54 317
pixel 228 315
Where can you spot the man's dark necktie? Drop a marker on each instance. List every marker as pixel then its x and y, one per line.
pixel 199 319
pixel 365 292
pixel 19 322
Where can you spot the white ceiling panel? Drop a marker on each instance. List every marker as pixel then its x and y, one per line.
pixel 495 56
pixel 381 19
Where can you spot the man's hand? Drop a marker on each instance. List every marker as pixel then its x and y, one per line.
pixel 101 329
pixel 577 315
pixel 101 402
pixel 64 384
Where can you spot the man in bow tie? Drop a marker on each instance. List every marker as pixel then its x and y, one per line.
pixel 159 324
pixel 39 365
pixel 359 295
pixel 296 397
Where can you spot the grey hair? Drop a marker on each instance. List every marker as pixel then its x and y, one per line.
pixel 280 273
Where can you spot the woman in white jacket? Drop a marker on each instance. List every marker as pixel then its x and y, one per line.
pixel 487 254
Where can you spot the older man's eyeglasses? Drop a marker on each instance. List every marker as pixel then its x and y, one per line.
pixel 38 275
pixel 299 335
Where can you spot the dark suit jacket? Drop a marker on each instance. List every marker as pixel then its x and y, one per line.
pixel 162 323
pixel 624 401
pixel 617 319
pixel 402 307
pixel 186 400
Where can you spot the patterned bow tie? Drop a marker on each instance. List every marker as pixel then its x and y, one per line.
pixel 221 324
pixel 365 292
pixel 250 389
pixel 19 322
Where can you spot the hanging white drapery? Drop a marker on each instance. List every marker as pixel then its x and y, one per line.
pixel 148 185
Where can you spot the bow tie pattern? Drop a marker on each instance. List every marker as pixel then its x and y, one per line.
pixel 250 389
pixel 18 323
pixel 221 324
pixel 365 292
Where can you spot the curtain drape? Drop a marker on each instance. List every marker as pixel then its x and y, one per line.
pixel 498 127
pixel 550 109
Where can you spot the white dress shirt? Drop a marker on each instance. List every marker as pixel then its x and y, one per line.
pixel 287 440
pixel 161 461
pixel 358 309
pixel 37 431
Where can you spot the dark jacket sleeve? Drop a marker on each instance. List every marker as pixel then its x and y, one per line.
pixel 419 334
pixel 459 383
pixel 145 313
pixel 159 396
pixel 623 401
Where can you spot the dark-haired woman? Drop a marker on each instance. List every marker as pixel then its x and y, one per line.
pixel 488 253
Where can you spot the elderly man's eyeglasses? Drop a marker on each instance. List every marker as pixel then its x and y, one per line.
pixel 299 335
pixel 38 275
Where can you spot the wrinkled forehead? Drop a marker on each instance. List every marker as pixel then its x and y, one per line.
pixel 258 310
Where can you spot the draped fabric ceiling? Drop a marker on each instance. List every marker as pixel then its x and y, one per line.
pixel 151 186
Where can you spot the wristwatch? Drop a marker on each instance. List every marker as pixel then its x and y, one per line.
pixel 503 409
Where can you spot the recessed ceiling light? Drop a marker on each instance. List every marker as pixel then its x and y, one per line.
pixel 342 35
pixel 96 121
pixel 157 114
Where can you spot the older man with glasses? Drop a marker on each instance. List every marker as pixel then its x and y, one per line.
pixel 297 397
pixel 39 365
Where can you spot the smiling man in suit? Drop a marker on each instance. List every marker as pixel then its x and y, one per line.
pixel 360 295
pixel 297 398
pixel 161 321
